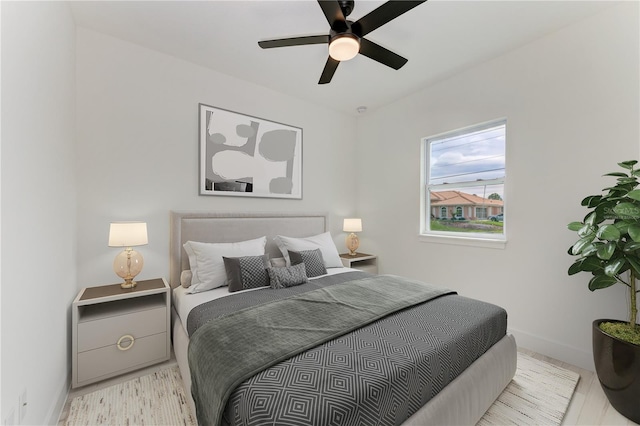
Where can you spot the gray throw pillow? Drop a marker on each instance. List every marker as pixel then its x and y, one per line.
pixel 246 272
pixel 287 276
pixel 312 259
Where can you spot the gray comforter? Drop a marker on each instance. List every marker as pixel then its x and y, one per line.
pixel 380 373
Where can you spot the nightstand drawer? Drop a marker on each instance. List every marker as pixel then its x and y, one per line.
pixel 106 331
pixel 109 360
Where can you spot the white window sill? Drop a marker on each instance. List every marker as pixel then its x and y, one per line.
pixel 463 241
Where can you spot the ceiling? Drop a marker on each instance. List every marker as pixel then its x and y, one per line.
pixel 439 37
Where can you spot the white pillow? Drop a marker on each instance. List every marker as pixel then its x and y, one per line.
pixel 324 242
pixel 207 266
pixel 278 262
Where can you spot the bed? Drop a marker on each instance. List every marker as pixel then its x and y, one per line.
pixel 450 397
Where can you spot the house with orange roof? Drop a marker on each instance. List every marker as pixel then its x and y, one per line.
pixel 449 204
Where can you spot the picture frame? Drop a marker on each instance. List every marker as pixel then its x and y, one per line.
pixel 246 156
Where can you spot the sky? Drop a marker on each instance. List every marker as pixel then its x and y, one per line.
pixel 469 157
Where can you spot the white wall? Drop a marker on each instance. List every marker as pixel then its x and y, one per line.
pixel 572 105
pixel 38 206
pixel 137 121
pixel 566 97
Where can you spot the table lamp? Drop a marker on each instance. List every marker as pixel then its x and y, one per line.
pixel 352 225
pixel 128 263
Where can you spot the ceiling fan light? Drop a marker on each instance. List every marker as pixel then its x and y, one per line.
pixel 344 47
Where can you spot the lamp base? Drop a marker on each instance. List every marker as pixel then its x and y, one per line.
pixel 127 264
pixel 128 284
pixel 353 242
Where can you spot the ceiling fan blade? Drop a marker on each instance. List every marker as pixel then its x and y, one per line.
pixel 332 11
pixel 383 14
pixel 380 54
pixel 329 70
pixel 294 41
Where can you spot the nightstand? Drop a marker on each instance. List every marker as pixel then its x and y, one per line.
pixel 361 261
pixel 116 330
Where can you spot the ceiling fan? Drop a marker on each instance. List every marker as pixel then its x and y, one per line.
pixel 346 38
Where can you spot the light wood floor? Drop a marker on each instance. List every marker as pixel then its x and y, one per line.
pixel 589 406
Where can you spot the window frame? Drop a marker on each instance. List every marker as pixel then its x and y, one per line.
pixel 488 240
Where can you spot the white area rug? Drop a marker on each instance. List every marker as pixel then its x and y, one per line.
pixel 539 394
pixel 155 399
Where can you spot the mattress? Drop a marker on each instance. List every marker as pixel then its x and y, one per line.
pixel 382 373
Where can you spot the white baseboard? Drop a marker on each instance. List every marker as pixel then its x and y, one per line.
pixel 553 349
pixel 58 406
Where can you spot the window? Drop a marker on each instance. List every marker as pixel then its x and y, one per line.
pixel 463 183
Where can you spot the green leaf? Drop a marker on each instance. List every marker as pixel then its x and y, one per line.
pixel 608 233
pixel 627 211
pixel 591 264
pixel 622 226
pixel 635 263
pixel 587 231
pixel 634 232
pixel 628 164
pixel 617 174
pixel 588 264
pixel 631 246
pixel 614 267
pixel 605 251
pixel 576 267
pixel 604 211
pixel 635 194
pixel 617 188
pixel 601 281
pixel 591 200
pixel 590 219
pixel 590 249
pixel 581 244
pixel 575 226
pixel 626 180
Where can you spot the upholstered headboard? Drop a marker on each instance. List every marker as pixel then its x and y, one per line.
pixel 216 227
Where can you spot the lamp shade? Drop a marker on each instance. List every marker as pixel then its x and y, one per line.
pixel 128 234
pixel 352 225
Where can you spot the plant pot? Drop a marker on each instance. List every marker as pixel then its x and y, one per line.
pixel 618 367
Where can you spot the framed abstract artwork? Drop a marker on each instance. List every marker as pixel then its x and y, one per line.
pixel 246 156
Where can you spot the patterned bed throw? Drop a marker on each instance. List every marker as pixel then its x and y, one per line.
pixel 369 351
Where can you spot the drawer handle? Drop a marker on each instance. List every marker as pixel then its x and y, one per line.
pixel 126 337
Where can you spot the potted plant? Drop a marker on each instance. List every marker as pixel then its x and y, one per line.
pixel 609 249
